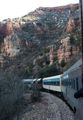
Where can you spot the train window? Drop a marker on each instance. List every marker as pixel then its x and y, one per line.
pixel 70 82
pixel 45 83
pixel 62 82
pixel 57 83
pixel 82 80
pixel 54 83
pixel 67 82
pixel 73 83
pixel 76 83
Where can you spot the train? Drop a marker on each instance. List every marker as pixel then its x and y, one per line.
pixel 28 84
pixel 67 83
pixel 52 83
pixel 71 82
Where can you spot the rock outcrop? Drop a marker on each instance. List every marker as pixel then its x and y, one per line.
pixel 6 28
pixel 51 55
pixel 30 35
pixel 1 61
pixel 70 25
pixel 11 45
pixel 66 50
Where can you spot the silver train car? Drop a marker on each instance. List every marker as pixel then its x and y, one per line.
pixel 27 83
pixel 67 83
pixel 71 82
pixel 52 83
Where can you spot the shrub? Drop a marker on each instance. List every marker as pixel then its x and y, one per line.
pixel 63 63
pixel 10 93
pixel 48 71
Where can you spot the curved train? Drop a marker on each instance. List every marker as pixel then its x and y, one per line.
pixel 68 84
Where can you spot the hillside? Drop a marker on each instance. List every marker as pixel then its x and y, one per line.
pixel 46 36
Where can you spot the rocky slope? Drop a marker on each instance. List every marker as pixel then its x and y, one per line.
pixel 34 34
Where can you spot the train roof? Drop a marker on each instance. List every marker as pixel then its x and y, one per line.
pixel 57 76
pixel 75 66
pixel 27 80
pixel 39 79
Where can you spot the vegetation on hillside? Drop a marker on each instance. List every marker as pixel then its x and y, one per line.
pixel 48 71
pixel 11 92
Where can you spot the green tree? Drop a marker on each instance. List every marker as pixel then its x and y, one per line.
pixel 63 63
pixel 49 71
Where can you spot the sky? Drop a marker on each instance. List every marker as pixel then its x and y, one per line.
pixel 18 8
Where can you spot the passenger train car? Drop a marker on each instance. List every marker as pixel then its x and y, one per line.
pixel 27 84
pixel 52 83
pixel 71 82
pixel 68 83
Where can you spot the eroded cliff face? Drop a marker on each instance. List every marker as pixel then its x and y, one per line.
pixel 70 25
pixel 11 45
pixel 34 32
pixel 6 29
pixel 66 50
pixel 43 26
